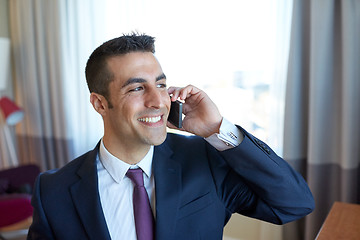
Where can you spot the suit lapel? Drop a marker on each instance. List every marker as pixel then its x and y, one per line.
pixel 86 199
pixel 167 187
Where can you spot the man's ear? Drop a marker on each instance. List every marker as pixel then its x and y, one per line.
pixel 99 103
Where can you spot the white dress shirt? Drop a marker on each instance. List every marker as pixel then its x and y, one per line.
pixel 116 189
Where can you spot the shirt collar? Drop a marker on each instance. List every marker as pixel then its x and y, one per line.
pixel 118 168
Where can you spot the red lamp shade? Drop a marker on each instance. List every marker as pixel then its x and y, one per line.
pixel 12 113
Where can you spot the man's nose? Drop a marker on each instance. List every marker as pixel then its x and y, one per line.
pixel 154 98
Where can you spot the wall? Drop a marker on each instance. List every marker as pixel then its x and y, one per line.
pixel 5 33
pixel 4 18
pixel 6 142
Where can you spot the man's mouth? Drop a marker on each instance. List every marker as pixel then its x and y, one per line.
pixel 150 119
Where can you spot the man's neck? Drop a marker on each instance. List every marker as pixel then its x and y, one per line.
pixel 129 154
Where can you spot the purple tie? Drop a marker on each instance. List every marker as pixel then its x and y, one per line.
pixel 144 220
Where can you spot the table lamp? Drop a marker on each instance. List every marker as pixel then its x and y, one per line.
pixel 12 113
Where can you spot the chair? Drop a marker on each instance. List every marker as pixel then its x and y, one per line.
pixel 15 199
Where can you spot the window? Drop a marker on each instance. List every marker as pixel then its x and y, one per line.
pixel 234 50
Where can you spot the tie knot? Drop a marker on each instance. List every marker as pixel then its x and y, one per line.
pixel 136 175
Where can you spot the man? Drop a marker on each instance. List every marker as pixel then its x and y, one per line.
pixel 193 183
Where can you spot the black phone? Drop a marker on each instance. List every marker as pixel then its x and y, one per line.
pixel 175 115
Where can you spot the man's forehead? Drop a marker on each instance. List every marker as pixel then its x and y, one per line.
pixel 135 67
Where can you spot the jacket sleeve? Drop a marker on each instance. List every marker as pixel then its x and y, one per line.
pixel 260 184
pixel 40 228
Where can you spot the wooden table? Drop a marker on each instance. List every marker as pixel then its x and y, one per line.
pixel 343 222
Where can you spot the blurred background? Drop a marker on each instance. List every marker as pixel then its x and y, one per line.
pixel 287 71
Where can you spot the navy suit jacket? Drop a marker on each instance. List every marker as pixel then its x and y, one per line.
pixel 197 190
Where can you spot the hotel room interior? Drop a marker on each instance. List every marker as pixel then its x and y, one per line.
pixel 292 66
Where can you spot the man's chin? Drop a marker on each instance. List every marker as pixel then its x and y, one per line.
pixel 156 138
pixel 159 141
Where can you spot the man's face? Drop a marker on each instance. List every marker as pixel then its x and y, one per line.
pixel 140 100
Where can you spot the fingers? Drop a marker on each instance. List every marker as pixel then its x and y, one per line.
pixel 182 93
pixel 202 117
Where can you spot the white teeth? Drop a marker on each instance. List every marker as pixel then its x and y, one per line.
pixel 150 119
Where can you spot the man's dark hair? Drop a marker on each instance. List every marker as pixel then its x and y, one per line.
pixel 98 76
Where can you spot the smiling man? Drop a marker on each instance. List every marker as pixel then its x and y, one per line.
pixel 141 182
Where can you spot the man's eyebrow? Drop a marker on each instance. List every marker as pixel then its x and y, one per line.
pixel 160 77
pixel 141 80
pixel 132 81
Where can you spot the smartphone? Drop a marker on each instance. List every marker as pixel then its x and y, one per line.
pixel 175 115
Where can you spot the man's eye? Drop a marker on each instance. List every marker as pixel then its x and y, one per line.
pixel 136 89
pixel 162 85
